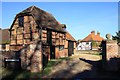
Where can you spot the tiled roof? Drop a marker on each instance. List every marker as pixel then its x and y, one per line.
pixel 4 33
pixel 42 18
pixel 93 37
pixel 69 36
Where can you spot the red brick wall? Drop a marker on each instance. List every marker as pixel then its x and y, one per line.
pixel 32 54
pixel 111 49
pixel 110 55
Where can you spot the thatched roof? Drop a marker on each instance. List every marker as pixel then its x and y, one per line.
pixel 42 18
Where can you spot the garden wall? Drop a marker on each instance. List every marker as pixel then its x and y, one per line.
pixel 110 57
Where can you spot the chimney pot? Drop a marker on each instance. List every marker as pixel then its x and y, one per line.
pixel 92 32
pixel 98 33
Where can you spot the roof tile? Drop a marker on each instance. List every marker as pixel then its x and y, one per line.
pixel 93 37
pixel 69 36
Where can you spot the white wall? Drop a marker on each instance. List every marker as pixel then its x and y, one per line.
pixel 84 46
pixel 7 47
pixel 0 47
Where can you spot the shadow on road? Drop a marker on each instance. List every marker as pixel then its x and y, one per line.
pixel 96 72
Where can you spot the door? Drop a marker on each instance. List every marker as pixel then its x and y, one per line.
pixel 70 48
pixel 45 55
pixel 52 52
pixel 49 37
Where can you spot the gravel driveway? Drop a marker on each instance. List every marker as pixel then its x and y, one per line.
pixel 82 67
pixel 77 64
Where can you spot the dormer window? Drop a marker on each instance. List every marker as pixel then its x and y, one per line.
pixel 21 21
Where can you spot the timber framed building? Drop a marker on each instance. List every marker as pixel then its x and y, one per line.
pixel 39 37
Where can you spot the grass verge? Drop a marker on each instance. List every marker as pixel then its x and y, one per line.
pixel 23 74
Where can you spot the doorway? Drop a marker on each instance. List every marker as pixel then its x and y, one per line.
pixel 70 48
pixel 52 52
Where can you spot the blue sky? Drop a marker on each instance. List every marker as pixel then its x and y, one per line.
pixel 59 0
pixel 80 17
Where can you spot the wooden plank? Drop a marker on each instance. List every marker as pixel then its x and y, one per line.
pixel 44 39
pixel 26 35
pixel 26 19
pixel 53 40
pixel 12 47
pixel 13 31
pixel 35 35
pixel 53 33
pixel 13 37
pixel 57 35
pixel 53 36
pixel 20 30
pixel 20 41
pixel 15 26
pixel 61 34
pixel 44 31
pixel 74 44
pixel 57 41
pixel 26 41
pixel 44 35
pixel 66 44
pixel 26 28
pixel 31 18
pixel 61 41
pixel 19 36
pixel 19 47
pixel 15 47
pixel 33 27
pixel 13 42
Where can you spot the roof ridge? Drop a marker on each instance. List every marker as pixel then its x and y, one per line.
pixel 32 8
pixel 69 36
pixel 42 18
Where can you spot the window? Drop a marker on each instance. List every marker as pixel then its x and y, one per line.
pixel 21 21
pixel 87 43
pixel 61 47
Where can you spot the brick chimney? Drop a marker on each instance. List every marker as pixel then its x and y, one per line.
pixel 98 33
pixel 93 32
pixel 63 26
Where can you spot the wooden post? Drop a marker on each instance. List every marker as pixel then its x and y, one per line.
pixel 30 33
pixel 103 54
pixel 23 35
